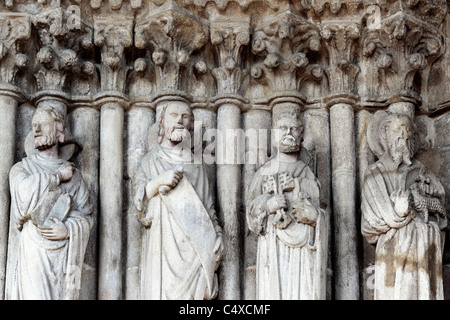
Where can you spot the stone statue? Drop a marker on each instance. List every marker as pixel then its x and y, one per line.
pixel 182 244
pixel 284 210
pixel 50 207
pixel 402 213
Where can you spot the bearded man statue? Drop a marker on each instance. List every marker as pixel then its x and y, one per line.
pixel 402 213
pixel 182 241
pixel 284 210
pixel 51 215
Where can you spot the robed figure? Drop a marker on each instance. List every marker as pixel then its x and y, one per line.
pixel 402 214
pixel 182 241
pixel 284 211
pixel 50 215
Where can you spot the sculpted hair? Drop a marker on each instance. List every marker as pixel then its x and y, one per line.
pixel 384 126
pixel 161 121
pixel 289 114
pixel 56 115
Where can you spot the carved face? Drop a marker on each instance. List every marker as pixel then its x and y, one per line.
pixel 177 121
pixel 290 134
pixel 45 130
pixel 400 139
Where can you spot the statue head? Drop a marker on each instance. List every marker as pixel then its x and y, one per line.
pixel 48 126
pixel 396 134
pixel 176 122
pixel 291 132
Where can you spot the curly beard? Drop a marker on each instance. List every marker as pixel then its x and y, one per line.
pixel 177 134
pixel 45 141
pixel 288 144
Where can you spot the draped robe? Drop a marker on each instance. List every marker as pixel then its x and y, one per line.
pixel 42 269
pixel 172 267
pixel 291 263
pixel 408 258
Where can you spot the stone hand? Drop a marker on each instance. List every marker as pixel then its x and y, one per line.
pixel 66 171
pixel 57 231
pixel 276 203
pixel 305 212
pixel 400 199
pixel 170 179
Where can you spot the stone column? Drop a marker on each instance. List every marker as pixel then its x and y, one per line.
pixel 111 194
pixel 140 118
pixel 365 157
pixel 229 38
pixel 85 128
pixel 316 139
pixel 261 122
pixel 228 194
pixel 15 30
pixel 342 133
pixel 341 41
pixel 113 36
pixel 9 100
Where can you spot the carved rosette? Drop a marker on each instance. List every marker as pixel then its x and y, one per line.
pixel 15 29
pixel 283 44
pixel 341 41
pixel 172 36
pixel 398 49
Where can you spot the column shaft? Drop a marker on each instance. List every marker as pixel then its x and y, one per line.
pixel 111 201
pixel 8 112
pixel 139 121
pixel 85 123
pixel 253 120
pixel 228 191
pixel 343 187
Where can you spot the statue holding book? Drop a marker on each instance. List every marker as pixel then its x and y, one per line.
pixel 50 213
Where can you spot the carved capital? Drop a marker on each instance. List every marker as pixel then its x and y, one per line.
pixel 60 42
pixel 172 36
pixel 284 44
pixel 397 49
pixel 14 31
pixel 113 36
pixel 229 38
pixel 341 40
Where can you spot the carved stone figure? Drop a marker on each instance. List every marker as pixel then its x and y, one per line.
pixel 402 213
pixel 50 207
pixel 182 244
pixel 285 212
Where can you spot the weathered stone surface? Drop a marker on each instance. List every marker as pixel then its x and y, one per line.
pixel 112 66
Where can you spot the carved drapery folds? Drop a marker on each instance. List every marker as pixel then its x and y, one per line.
pixel 238 64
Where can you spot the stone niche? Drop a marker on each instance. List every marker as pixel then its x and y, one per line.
pixel 112 66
